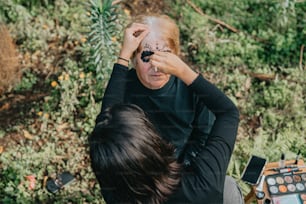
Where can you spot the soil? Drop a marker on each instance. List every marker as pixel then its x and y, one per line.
pixel 137 7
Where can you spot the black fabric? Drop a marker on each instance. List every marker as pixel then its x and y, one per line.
pixel 181 115
pixel 174 109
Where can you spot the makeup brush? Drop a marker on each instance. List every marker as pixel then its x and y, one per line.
pixel 297 157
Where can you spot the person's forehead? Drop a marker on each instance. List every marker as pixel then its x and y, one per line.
pixel 154 44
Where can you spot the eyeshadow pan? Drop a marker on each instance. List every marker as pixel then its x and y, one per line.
pixel 291 187
pixel 273 189
pixel 304 177
pixel 271 181
pixel 300 187
pixel 288 179
pixel 297 178
pixel 279 180
pixel 282 188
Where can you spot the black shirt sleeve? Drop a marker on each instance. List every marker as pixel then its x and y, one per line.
pixel 205 180
pixel 115 89
pixel 202 124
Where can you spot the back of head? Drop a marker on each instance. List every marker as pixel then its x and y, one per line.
pixel 129 159
pixel 164 27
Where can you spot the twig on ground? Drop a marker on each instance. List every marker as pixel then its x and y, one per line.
pixel 116 2
pixel 231 28
pixel 219 22
pixel 301 57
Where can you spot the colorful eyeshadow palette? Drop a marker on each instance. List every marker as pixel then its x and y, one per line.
pixel 287 188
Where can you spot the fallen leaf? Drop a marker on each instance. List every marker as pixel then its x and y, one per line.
pixel 127 12
pixel 62 127
pixel 32 181
pixel 263 77
pixel 27 135
pixel 238 94
pixel 5 107
pixel 248 84
pixel 1 149
pixel 45 181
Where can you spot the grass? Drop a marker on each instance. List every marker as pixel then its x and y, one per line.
pixel 56 59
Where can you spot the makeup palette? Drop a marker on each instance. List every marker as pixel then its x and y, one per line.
pixel 287 188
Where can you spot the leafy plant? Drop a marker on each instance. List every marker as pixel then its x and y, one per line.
pixel 33 3
pixel 105 28
pixel 74 45
pixel 272 109
pixel 13 12
pixel 27 82
pixel 274 39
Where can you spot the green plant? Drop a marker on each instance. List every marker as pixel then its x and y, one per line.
pixel 274 94
pixel 272 110
pixel 27 82
pixel 54 40
pixel 13 12
pixel 274 39
pixel 33 3
pixel 105 29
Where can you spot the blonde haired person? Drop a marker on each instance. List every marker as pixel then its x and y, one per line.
pixel 166 89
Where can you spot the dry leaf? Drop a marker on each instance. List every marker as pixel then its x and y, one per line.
pixel 27 135
pixel 238 94
pixel 5 107
pixel 1 149
pixel 248 84
pixel 62 127
pixel 263 77
pixel 127 12
pixel 32 181
pixel 45 181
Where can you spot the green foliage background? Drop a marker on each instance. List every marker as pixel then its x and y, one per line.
pixel 87 36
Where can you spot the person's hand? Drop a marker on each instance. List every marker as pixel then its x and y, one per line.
pixel 170 63
pixel 133 36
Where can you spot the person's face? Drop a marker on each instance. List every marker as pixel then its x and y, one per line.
pixel 149 76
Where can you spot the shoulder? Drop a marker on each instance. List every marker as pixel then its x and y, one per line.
pixel 132 72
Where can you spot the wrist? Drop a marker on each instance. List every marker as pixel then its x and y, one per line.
pixel 125 54
pixel 187 75
pixel 123 61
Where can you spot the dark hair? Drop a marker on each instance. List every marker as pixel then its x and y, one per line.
pixel 129 158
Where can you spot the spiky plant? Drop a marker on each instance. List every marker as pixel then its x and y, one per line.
pixel 105 29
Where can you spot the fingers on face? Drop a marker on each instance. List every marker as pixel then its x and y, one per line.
pixel 159 56
pixel 157 61
pixel 139 30
pixel 143 34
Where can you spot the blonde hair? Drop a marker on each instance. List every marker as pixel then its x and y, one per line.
pixel 164 27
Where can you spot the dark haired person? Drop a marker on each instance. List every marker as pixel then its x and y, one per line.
pixel 133 164
pixel 163 86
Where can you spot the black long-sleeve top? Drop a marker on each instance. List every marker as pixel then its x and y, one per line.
pixel 175 109
pixel 203 180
